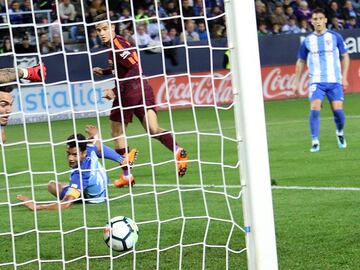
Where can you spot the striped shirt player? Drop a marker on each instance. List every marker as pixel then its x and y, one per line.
pixel 89 181
pixel 88 178
pixel 134 97
pixel 322 55
pixel 325 54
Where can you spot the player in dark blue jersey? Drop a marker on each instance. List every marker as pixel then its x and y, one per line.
pixel 88 178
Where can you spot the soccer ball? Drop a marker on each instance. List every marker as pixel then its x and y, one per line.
pixel 122 233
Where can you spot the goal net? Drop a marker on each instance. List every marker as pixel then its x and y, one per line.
pixel 190 222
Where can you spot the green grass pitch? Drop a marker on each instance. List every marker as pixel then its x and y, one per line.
pixel 315 229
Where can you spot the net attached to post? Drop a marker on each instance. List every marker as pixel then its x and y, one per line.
pixel 189 222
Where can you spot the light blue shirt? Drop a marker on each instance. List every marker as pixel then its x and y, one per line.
pixel 91 179
pixel 322 54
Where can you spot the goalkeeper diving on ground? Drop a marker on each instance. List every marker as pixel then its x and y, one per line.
pixel 88 178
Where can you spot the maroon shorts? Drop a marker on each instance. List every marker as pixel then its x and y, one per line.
pixel 131 95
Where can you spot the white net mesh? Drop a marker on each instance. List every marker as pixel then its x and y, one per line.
pixel 190 222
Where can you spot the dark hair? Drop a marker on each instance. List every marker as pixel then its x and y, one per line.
pixel 80 139
pixel 101 17
pixel 4 50
pixel 7 88
pixel 318 10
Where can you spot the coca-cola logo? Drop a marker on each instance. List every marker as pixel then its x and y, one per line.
pixel 200 91
pixel 277 85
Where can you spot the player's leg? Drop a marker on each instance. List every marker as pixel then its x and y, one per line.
pixel 103 150
pixel 117 132
pixel 119 119
pixel 150 121
pixel 57 189
pixel 316 96
pixel 336 98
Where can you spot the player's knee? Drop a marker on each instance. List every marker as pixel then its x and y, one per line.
pixel 116 131
pixel 153 131
pixel 337 106
pixel 116 134
pixel 51 185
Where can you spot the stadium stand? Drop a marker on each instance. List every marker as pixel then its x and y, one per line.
pixel 293 16
pixel 74 35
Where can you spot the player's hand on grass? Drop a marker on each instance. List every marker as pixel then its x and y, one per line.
pixel 92 132
pixel 97 71
pixel 108 94
pixel 29 204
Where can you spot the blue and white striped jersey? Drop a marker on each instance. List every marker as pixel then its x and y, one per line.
pixel 322 54
pixel 91 179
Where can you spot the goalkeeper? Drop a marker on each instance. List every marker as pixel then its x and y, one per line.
pixel 6 100
pixel 129 97
pixel 89 180
pixel 6 106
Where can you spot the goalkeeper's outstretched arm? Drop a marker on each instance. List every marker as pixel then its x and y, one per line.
pixel 9 75
pixel 34 74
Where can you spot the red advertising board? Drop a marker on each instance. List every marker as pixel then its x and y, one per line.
pixel 278 81
pixel 200 89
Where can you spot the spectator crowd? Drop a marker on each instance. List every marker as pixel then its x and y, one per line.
pixel 293 16
pixel 146 23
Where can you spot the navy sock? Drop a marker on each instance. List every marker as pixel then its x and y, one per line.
pixel 314 119
pixel 339 119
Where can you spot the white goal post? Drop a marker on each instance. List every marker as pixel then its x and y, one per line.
pixel 251 134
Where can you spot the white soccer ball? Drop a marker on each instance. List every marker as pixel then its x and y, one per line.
pixel 121 234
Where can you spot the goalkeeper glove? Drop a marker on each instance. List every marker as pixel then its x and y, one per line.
pixel 34 73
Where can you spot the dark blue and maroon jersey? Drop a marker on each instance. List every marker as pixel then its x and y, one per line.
pixel 127 64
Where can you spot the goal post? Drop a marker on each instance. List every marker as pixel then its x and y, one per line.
pixel 251 134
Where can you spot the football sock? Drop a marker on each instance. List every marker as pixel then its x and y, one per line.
pixel 166 139
pixel 314 120
pixel 339 119
pixel 122 151
pixel 109 153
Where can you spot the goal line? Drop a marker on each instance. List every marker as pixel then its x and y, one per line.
pixel 217 186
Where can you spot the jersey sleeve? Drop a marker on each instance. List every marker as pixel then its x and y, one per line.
pixel 341 44
pixel 91 148
pixel 303 51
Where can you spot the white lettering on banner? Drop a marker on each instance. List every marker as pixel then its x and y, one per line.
pixel 353 44
pixel 36 103
pixel 276 84
pixel 202 88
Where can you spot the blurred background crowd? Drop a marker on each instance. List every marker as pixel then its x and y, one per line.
pixel 145 23
pixel 293 16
